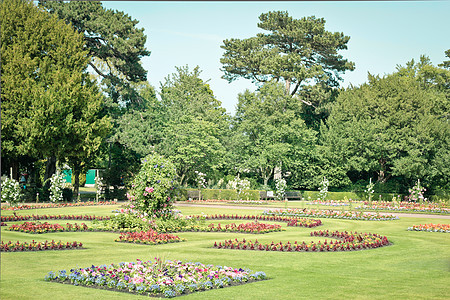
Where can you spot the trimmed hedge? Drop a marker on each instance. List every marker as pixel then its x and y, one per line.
pixel 215 194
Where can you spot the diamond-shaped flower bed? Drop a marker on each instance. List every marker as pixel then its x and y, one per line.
pixel 149 237
pixel 157 279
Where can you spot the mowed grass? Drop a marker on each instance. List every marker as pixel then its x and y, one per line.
pixel 416 266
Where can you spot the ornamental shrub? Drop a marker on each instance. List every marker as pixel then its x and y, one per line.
pixel 280 189
pixel 153 188
pixel 10 191
pixel 56 187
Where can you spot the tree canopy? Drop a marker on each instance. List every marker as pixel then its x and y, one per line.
pixel 394 126
pixel 296 51
pixel 114 42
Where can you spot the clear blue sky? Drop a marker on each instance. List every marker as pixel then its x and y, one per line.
pixel 382 34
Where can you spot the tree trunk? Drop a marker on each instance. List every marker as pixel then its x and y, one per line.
pixel 50 169
pixel 76 184
pixel 14 170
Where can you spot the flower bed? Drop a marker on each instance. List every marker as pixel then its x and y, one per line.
pixel 349 215
pixel 52 217
pixel 38 246
pixel 149 237
pixel 431 227
pixel 405 206
pixel 344 242
pixel 291 221
pixel 328 203
pixel 32 227
pixel 253 227
pixel 57 205
pixel 159 279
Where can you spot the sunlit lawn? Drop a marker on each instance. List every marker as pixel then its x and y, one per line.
pixel 416 266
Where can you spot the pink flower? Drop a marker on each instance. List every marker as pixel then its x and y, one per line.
pixel 149 189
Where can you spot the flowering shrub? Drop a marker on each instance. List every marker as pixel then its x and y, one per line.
pixel 323 190
pixel 152 189
pixel 416 193
pixel 369 190
pixel 38 246
pixel 350 215
pixel 291 221
pixel 240 185
pixel 149 237
pixel 280 189
pixel 32 227
pixel 160 279
pixel 10 191
pixel 56 187
pixel 57 205
pixel 51 217
pixel 431 227
pixel 344 242
pixel 253 227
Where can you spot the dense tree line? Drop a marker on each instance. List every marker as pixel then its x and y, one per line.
pixel 75 92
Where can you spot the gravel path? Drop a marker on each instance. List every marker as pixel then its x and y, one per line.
pixel 403 215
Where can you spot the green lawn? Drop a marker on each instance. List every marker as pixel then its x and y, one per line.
pixel 416 266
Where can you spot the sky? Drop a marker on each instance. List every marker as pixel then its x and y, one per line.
pixel 383 34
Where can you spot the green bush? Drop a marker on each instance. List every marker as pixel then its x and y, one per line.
pixel 67 195
pixel 340 196
pixel 228 194
pixel 153 187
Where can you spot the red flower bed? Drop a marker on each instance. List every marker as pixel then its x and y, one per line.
pixel 51 217
pixel 149 237
pixel 345 241
pixel 32 227
pixel 291 221
pixel 253 227
pixel 38 246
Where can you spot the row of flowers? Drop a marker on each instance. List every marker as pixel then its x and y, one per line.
pixel 252 227
pixel 162 279
pixel 349 215
pixel 36 227
pixel 328 202
pixel 431 227
pixel 405 206
pixel 57 205
pixel 150 237
pixel 345 241
pixel 291 221
pixel 38 246
pixel 13 218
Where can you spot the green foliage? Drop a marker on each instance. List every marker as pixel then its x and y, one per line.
pixel 392 126
pixel 82 178
pixel 194 126
pixel 152 189
pixel 268 133
pixel 294 50
pixel 229 194
pixel 113 41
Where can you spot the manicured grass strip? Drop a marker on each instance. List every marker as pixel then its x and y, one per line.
pixel 431 227
pixel 158 279
pixel 57 205
pixel 38 228
pixel 14 218
pixel 39 246
pixel 349 215
pixel 149 237
pixel 291 221
pixel 344 242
